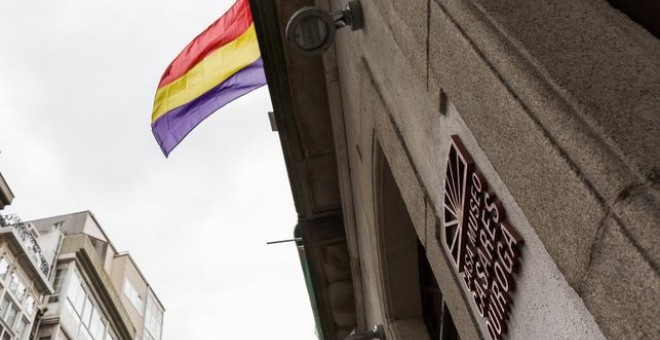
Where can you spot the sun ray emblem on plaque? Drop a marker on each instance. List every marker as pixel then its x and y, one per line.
pixel 457 185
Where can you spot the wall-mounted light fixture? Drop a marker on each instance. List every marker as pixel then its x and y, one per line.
pixel 312 30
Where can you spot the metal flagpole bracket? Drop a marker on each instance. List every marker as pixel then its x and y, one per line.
pixel 312 30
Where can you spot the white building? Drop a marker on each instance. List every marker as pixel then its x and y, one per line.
pixel 98 292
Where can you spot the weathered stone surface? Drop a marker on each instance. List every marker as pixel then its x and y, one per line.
pixel 622 290
pixel 608 70
pixel 406 178
pixel 335 264
pixel 407 22
pixel 639 211
pixel 340 294
pixel 540 177
pixel 310 106
pixel 321 175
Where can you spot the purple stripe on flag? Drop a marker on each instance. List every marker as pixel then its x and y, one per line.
pixel 174 125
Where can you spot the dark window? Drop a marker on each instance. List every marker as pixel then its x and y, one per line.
pixel 436 314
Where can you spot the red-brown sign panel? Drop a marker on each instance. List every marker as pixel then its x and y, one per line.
pixel 483 246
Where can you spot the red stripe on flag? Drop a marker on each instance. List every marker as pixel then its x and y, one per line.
pixel 224 30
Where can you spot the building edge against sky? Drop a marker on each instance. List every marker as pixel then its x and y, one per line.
pixel 24 273
pixel 61 278
pixel 90 266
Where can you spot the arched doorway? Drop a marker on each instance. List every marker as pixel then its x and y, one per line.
pixel 413 303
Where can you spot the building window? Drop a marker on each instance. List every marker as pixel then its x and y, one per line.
pixel 133 296
pixel 17 306
pixel 96 326
pixel 57 284
pixel 76 294
pixel 81 317
pixel 413 301
pixel 70 319
pixel 4 333
pixel 435 312
pixel 154 319
pixel 30 305
pixel 4 269
pixel 83 334
pixel 8 310
pixel 17 287
pixel 87 312
pixel 22 326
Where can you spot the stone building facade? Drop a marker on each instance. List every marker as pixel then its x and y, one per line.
pixel 24 272
pixel 474 169
pixel 24 284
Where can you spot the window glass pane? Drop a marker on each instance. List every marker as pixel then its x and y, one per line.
pixel 3 305
pixel 4 268
pixel 57 282
pixel 17 287
pixel 97 327
pixel 99 333
pixel 84 334
pixel 76 293
pixel 29 305
pixel 70 318
pixel 21 292
pixel 12 311
pixel 6 336
pixel 87 312
pixel 13 284
pixel 74 281
pixel 154 318
pixel 133 296
pixel 8 310
pixel 22 326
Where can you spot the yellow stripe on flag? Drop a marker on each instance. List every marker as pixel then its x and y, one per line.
pixel 208 73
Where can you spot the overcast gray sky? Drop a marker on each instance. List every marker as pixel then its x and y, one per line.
pixel 77 80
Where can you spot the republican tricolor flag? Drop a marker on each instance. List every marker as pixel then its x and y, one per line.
pixel 218 66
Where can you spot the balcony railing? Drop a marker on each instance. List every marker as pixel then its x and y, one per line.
pixel 28 240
